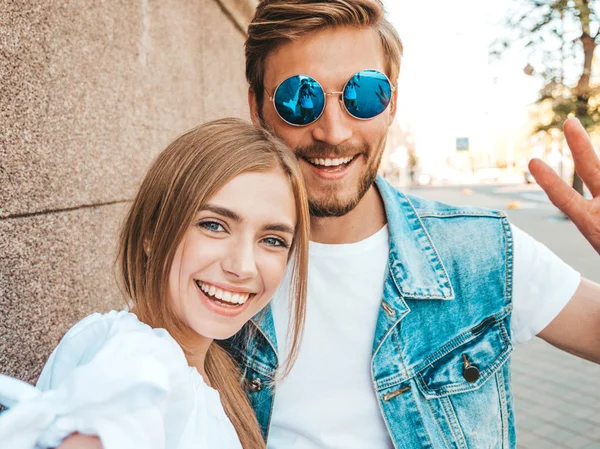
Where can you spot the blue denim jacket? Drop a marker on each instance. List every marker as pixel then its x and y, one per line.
pixel 440 365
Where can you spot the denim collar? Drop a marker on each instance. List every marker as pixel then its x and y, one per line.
pixel 414 263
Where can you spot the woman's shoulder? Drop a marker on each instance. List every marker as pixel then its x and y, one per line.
pixel 111 375
pixel 99 327
pixel 115 331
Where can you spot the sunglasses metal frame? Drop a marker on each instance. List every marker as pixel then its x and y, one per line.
pixel 329 94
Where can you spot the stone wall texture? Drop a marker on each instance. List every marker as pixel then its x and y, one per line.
pixel 90 92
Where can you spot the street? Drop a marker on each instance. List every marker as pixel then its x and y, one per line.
pixel 557 395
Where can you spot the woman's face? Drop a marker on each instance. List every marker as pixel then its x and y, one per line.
pixel 234 254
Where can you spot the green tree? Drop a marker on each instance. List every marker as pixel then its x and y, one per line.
pixel 560 36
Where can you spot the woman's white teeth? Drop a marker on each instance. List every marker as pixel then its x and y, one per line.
pixel 330 162
pixel 223 295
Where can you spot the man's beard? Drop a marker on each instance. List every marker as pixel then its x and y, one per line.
pixel 329 203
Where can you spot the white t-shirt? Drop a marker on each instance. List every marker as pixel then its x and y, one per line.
pixel 117 378
pixel 328 399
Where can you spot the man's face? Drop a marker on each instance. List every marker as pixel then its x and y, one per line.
pixel 339 154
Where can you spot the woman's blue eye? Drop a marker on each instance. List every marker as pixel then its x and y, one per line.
pixel 211 226
pixel 272 241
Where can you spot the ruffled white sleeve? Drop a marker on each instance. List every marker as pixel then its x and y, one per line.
pixel 110 376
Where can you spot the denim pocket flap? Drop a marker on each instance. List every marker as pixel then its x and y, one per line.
pixel 466 362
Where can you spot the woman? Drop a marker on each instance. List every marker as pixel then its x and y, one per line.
pixel 219 215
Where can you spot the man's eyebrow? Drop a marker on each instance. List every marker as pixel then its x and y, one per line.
pixel 222 211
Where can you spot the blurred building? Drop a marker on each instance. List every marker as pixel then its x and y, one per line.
pixel 399 163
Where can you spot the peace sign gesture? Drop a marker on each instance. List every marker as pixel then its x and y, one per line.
pixel 583 212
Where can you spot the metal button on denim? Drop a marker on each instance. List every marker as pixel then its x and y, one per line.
pixel 255 385
pixel 470 372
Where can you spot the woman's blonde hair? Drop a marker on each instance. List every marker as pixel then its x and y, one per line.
pixel 181 179
pixel 278 21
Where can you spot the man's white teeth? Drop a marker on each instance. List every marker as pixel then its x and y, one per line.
pixel 330 162
pixel 223 295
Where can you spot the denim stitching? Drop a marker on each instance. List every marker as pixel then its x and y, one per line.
pixel 438 261
pixel 398 378
pixel 437 421
pixel 383 414
pixel 503 408
pixel 386 335
pixel 454 423
pixel 251 363
pixel 461 387
pixel 420 416
pixel 461 213
pixel 509 261
pixel 461 339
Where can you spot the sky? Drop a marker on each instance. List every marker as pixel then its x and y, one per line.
pixel 448 88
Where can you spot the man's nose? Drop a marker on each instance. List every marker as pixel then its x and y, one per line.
pixel 334 125
pixel 240 263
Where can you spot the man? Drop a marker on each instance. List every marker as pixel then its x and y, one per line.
pixel 413 306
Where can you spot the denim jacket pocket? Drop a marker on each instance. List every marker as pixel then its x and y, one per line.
pixel 466 387
pixel 467 362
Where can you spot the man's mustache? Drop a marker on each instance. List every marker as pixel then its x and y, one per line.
pixel 320 149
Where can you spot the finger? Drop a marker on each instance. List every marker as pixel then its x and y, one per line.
pixel 559 192
pixel 586 161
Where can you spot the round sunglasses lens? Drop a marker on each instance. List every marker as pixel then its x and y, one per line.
pixel 367 94
pixel 299 100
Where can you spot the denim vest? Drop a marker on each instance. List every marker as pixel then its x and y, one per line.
pixel 441 349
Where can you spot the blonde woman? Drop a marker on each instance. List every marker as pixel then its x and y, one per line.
pixel 218 217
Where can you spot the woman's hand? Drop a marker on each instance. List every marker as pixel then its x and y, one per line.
pixel 79 441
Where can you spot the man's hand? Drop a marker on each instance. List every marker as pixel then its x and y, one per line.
pixel 583 212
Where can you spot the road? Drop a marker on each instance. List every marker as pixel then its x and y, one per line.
pixel 557 395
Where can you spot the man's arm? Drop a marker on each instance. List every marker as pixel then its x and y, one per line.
pixel 577 328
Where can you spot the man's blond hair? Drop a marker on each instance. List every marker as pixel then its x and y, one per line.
pixel 278 21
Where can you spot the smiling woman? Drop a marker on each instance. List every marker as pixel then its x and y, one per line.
pixel 220 215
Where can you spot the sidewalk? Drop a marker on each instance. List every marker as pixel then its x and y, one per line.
pixel 557 398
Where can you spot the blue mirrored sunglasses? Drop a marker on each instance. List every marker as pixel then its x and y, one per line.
pixel 300 100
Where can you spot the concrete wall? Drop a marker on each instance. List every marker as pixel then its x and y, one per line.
pixel 90 92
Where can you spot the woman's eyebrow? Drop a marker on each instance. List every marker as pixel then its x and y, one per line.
pixel 222 211
pixel 280 227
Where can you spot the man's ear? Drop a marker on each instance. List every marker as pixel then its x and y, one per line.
pixel 254 113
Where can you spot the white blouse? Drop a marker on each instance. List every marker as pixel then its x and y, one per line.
pixel 117 378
